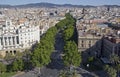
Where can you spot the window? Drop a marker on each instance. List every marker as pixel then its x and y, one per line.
pixel 89 41
pixel 13 40
pixel 6 51
pixel 11 52
pixel 89 45
pixel 17 31
pixel 82 45
pixel 14 51
pixel 17 38
pixel 82 41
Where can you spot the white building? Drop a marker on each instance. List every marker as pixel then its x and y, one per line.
pixel 15 37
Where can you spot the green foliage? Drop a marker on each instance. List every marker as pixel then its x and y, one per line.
pixel 111 71
pixel 2 67
pixel 65 22
pixel 62 74
pixel 41 54
pixel 40 57
pixel 72 56
pixel 65 73
pixel 7 74
pixel 117 67
pixel 68 33
pixel 9 68
pixel 69 27
pixel 17 65
pixel 114 59
pixel 90 59
pixel 21 64
pixel 61 24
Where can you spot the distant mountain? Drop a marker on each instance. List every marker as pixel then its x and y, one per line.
pixel 37 5
pixel 50 5
pixel 111 5
pixel 6 6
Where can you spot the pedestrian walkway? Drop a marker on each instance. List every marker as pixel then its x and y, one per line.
pixel 18 74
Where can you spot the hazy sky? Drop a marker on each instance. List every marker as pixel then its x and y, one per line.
pixel 78 2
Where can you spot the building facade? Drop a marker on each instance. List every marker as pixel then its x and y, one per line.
pixel 89 33
pixel 17 37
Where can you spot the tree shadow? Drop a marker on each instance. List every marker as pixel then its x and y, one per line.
pixel 87 75
pixel 56 64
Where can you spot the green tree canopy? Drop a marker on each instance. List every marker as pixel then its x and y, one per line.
pixel 110 71
pixel 2 67
pixel 18 65
pixel 68 33
pixel 72 56
pixel 41 54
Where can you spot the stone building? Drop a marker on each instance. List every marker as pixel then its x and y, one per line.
pixel 85 41
pixel 17 37
pixel 90 33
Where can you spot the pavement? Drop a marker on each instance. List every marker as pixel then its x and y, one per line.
pixel 18 74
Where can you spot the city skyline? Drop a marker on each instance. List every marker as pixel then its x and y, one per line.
pixel 77 2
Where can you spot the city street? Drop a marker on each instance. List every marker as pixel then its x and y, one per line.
pixel 56 65
pixel 53 69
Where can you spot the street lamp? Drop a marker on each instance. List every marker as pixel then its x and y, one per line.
pixel 88 65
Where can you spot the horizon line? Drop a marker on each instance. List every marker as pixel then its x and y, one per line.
pixel 61 4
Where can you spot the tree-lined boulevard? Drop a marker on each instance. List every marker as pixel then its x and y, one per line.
pixel 56 55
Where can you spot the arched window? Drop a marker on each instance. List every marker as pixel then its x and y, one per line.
pixel 14 51
pixel 11 52
pixel 6 51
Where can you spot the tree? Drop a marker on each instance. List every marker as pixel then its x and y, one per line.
pixel 117 67
pixel 27 63
pixel 114 59
pixel 110 71
pixel 2 67
pixel 68 33
pixel 65 73
pixel 90 59
pixel 42 52
pixel 72 56
pixel 15 66
pixel 18 65
pixel 40 57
